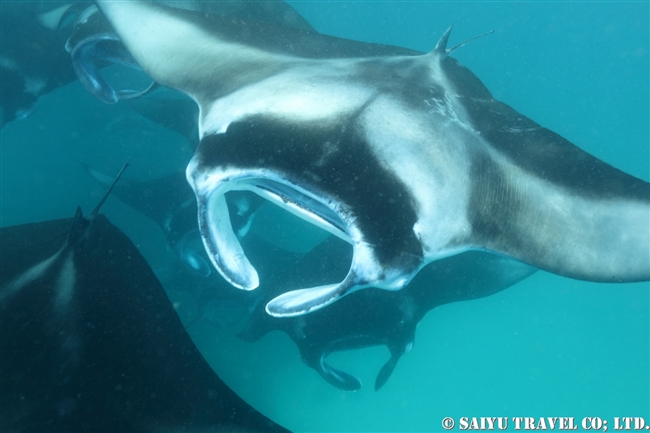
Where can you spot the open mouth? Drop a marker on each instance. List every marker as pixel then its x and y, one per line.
pixel 354 198
pixel 227 255
pixel 94 43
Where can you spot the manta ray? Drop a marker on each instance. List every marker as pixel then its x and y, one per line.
pixel 91 343
pixel 33 59
pixel 349 324
pixel 373 317
pixel 39 39
pixel 404 155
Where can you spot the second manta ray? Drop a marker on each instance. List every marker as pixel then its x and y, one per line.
pixel 406 156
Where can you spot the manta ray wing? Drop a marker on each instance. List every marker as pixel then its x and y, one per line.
pixel 538 197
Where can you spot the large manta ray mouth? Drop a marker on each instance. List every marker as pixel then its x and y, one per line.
pixel 227 255
pixel 330 179
pixel 320 209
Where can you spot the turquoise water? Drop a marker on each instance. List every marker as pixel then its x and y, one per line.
pixel 548 346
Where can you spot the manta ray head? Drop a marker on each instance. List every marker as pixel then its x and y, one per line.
pixel 345 146
pixel 324 173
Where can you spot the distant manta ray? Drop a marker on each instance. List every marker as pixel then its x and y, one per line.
pixel 39 40
pixel 406 156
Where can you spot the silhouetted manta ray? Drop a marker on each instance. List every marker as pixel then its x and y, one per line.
pixel 407 156
pixel 90 342
pixel 365 318
pixel 373 317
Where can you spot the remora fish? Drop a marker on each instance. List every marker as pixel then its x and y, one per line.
pixel 90 342
pixel 407 156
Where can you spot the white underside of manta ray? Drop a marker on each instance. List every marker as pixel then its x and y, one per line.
pixel 407 157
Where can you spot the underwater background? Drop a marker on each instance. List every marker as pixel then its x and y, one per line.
pixel 548 346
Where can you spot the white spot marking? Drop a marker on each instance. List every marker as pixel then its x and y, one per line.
pixel 32 274
pixel 65 283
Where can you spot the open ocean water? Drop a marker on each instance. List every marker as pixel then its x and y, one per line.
pixel 547 347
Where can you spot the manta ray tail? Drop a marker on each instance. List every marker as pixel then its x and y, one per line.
pixel 441 46
pixel 80 225
pixel 95 211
